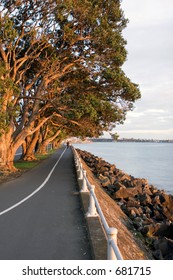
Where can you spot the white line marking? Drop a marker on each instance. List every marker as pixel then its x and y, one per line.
pixel 18 154
pixel 37 190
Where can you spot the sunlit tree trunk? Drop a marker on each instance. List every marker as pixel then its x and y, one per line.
pixel 43 145
pixel 7 153
pixel 30 147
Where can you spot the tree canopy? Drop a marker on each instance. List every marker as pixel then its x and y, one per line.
pixel 60 66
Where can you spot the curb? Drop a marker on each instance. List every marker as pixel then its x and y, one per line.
pixel 95 229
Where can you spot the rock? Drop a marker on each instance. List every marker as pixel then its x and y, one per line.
pixel 164 248
pixel 158 255
pixel 147 210
pixel 104 180
pixel 112 168
pixel 134 212
pixel 152 228
pixel 153 189
pixel 144 230
pixel 162 198
pixel 168 213
pixel 139 182
pixel 144 199
pixel 118 185
pixel 105 173
pixel 127 183
pixel 124 192
pixel 165 230
pixel 112 179
pixel 138 223
pixel 156 199
pixel 103 169
pixel 132 202
pixel 126 180
pixel 147 189
pixel 158 216
pixel 168 201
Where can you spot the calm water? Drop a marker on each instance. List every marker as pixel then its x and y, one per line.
pixel 153 161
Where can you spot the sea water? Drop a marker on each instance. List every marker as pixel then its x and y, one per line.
pixel 152 161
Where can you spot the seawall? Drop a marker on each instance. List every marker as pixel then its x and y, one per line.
pixel 142 214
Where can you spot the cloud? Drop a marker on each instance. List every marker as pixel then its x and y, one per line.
pixel 151 134
pixel 155 111
pixel 148 131
pixel 147 12
pixel 150 64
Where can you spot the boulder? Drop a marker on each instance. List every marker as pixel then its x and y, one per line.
pixel 124 192
pixel 104 180
pixel 164 248
pixel 168 213
pixel 152 228
pixel 138 223
pixel 165 230
pixel 112 178
pixel 139 182
pixel 168 201
pixel 147 189
pixel 132 202
pixel 144 199
pixel 156 199
pixel 118 185
pixel 134 212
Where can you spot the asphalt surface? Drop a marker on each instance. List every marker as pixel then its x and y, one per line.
pixel 49 225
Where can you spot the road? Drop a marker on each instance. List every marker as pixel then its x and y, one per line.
pixel 40 213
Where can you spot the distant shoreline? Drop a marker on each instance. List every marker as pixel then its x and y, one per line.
pixel 127 140
pixel 130 140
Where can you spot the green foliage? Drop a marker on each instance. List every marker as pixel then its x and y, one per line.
pixel 63 59
pixel 114 136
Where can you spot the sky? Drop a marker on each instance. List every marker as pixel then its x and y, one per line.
pixel 149 64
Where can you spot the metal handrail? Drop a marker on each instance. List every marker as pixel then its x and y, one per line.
pixel 94 209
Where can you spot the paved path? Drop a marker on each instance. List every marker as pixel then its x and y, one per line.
pixel 49 223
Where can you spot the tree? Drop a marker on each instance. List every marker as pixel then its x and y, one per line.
pixel 61 59
pixel 114 136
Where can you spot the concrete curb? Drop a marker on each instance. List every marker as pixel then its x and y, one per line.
pixel 95 229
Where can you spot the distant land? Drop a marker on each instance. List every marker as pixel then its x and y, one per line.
pixel 130 140
pixel 90 140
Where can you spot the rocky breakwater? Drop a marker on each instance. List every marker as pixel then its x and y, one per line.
pixel 149 209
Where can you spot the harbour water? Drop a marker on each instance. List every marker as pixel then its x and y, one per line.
pixel 152 161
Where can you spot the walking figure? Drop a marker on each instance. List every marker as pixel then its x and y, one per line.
pixel 68 144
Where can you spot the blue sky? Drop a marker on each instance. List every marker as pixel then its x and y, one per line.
pixel 149 36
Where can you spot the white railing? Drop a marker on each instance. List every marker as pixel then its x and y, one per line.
pixel 94 209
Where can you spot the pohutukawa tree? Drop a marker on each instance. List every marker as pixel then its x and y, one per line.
pixel 61 60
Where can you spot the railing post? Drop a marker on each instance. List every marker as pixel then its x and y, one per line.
pixel 78 166
pixel 80 172
pixel 84 185
pixel 92 211
pixel 112 235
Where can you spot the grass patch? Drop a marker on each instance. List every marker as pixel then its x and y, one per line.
pixel 25 164
pixel 50 152
pixel 41 156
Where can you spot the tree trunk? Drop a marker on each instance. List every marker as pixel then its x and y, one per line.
pixel 56 144
pixel 30 149
pixel 7 154
pixel 8 148
pixel 12 139
pixel 42 149
pixel 43 145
